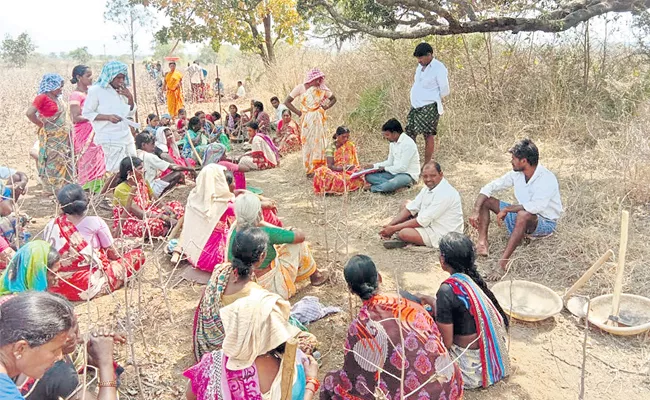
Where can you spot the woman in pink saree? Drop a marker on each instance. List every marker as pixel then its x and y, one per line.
pixel 88 156
pixel 208 215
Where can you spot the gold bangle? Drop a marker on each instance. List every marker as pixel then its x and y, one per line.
pixel 108 384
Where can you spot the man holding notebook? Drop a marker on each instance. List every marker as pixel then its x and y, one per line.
pixel 401 169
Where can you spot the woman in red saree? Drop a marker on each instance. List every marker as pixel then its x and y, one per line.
pixel 375 359
pixel 90 263
pixel 288 137
pixel 342 161
pixel 135 210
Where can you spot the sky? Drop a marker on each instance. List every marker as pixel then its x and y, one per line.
pixel 64 25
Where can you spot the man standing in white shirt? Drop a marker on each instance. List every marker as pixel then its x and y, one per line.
pixel 196 81
pixel 436 211
pixel 538 194
pixel 107 107
pixel 402 168
pixel 431 84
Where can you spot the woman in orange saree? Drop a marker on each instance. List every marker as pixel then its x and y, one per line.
pixel 342 161
pixel 174 89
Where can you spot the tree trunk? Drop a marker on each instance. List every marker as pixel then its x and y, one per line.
pixel 260 46
pixel 268 39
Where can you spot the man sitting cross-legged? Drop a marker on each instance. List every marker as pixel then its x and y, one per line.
pixel 435 212
pixel 538 194
pixel 402 168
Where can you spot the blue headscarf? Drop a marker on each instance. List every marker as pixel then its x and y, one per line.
pixel 110 71
pixel 27 270
pixel 50 82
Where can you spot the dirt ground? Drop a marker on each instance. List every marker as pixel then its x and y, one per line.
pixel 546 357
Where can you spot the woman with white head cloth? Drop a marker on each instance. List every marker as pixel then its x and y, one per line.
pixel 256 357
pixel 288 260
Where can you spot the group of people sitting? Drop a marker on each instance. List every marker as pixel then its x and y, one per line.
pixel 245 342
pixel 247 345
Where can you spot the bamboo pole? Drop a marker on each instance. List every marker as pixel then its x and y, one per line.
pixel 618 283
pixel 589 273
pixel 135 91
pixel 219 98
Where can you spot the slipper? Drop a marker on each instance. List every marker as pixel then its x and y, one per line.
pixel 394 244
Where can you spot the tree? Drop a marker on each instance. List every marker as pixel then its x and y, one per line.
pixel 411 19
pixel 80 55
pixel 207 55
pixel 253 25
pixel 18 50
pixel 161 50
pixel 131 17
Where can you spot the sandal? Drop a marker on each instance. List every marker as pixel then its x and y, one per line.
pixel 394 244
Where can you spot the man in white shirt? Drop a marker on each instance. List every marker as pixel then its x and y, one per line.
pixel 402 168
pixel 279 109
pixel 196 81
pixel 431 84
pixel 538 194
pixel 108 106
pixel 241 92
pixel 436 211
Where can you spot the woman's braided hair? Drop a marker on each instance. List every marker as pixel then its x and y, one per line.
pixel 247 249
pixel 457 250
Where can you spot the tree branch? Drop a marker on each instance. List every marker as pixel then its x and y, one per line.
pixel 555 20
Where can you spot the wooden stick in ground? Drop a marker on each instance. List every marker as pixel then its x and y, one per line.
pixel 618 283
pixel 288 369
pixel 135 91
pixel 588 274
pixel 196 154
pixel 583 373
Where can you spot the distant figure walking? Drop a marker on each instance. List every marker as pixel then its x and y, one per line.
pixel 173 86
pixel 430 86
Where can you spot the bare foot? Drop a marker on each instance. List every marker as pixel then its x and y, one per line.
pixel 482 249
pixel 319 278
pixel 367 186
pixel 494 275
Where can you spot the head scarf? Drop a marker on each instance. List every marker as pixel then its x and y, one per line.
pixel 161 139
pixel 110 71
pixel 28 269
pixel 214 153
pixel 314 74
pixel 166 116
pixel 248 210
pixel 206 203
pixel 50 82
pixel 255 325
